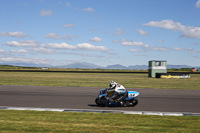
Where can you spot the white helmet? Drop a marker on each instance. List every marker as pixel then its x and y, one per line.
pixel 112 84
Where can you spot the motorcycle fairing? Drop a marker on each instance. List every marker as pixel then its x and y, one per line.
pixel 132 95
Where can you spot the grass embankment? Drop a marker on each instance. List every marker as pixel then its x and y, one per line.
pixel 37 121
pixel 129 80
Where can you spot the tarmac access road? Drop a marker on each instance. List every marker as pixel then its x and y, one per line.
pixel 162 100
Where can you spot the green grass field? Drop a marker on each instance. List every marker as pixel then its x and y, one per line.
pixel 97 80
pixel 42 121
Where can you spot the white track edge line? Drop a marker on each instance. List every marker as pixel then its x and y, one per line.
pixel 101 111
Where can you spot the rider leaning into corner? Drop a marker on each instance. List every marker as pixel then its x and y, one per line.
pixel 119 89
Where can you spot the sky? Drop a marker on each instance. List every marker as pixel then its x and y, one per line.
pixel 102 32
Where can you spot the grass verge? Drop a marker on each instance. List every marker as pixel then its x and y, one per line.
pixel 129 80
pixel 43 121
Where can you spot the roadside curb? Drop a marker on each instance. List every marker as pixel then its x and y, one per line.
pixel 101 111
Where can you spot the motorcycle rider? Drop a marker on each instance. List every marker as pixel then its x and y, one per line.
pixel 120 91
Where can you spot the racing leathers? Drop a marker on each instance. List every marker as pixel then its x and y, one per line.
pixel 120 93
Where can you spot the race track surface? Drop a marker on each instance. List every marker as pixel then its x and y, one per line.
pixel 164 100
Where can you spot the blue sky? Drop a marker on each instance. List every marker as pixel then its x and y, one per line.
pixel 102 32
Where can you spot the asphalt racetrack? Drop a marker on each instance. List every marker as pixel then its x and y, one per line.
pixel 164 100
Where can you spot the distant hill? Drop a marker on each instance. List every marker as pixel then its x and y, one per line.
pixel 81 65
pixel 118 66
pixel 139 67
pixel 84 65
pixel 178 66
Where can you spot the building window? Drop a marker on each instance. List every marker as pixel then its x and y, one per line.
pixel 160 63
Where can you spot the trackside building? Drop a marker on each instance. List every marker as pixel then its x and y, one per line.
pixel 157 67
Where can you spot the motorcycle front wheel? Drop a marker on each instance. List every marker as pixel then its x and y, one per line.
pixel 134 102
pixel 99 103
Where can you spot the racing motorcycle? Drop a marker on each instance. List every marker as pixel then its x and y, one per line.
pixel 104 94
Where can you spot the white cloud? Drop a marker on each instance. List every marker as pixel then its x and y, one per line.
pixel 89 9
pixel 190 50
pixel 19 51
pixel 45 12
pixel 23 60
pixel 131 43
pixel 118 32
pixel 56 36
pixel 142 32
pixel 87 46
pixel 2 51
pixel 143 46
pixel 198 4
pixel 42 50
pixel 96 39
pixel 179 49
pixel 17 34
pixel 22 43
pixel 53 36
pixel 159 48
pixel 81 46
pixel 10 52
pixel 136 50
pixel 186 31
pixel 166 24
pixel 191 32
pixel 14 52
pixel 59 46
pixel 68 25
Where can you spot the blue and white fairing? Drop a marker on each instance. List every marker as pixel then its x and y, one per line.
pixel 132 95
